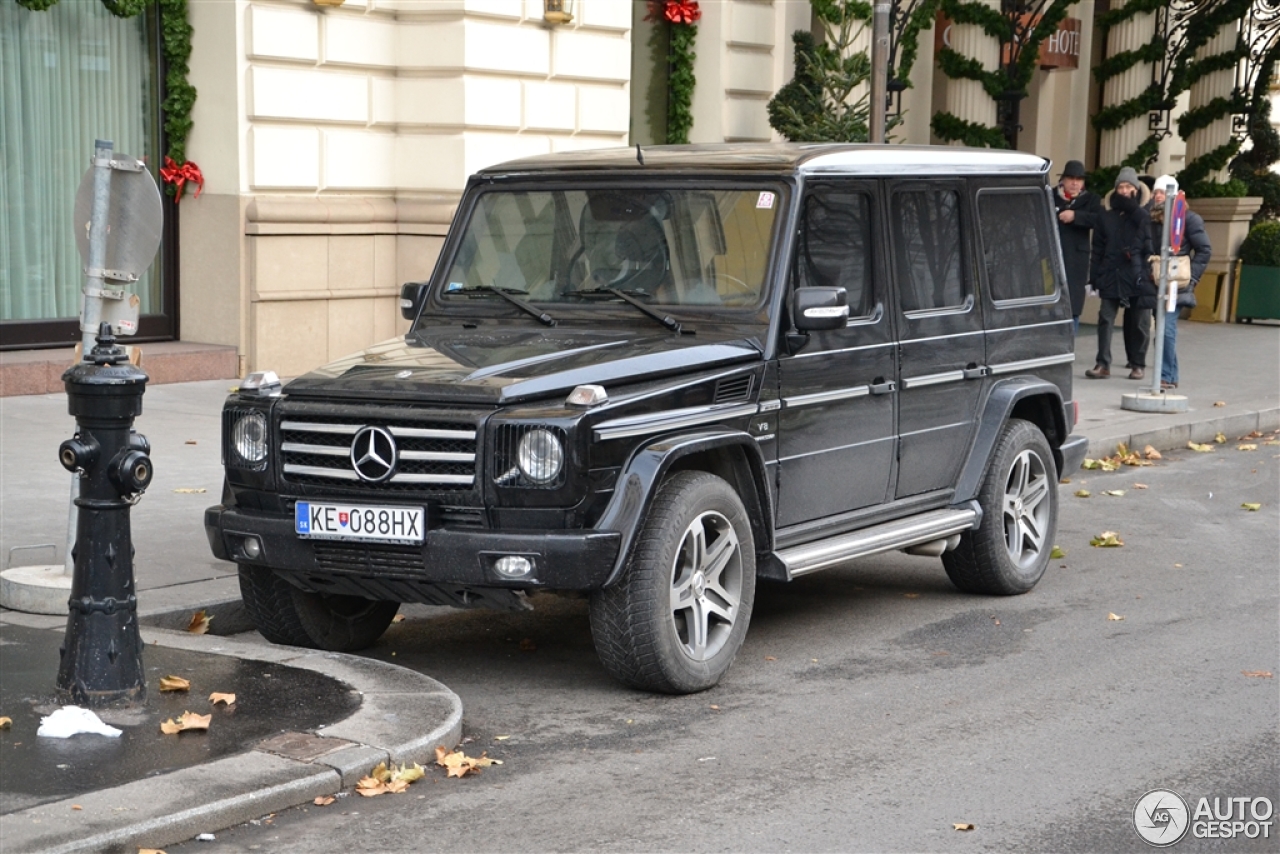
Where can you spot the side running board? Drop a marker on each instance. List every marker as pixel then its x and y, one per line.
pixel 898 534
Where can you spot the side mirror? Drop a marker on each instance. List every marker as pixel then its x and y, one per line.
pixel 814 309
pixel 411 297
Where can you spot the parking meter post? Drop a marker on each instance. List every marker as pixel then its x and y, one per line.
pixel 1162 293
pixel 91 317
pixel 102 650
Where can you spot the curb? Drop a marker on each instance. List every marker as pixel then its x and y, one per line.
pixel 1178 435
pixel 403 715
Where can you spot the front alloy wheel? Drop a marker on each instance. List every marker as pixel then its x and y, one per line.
pixel 706 587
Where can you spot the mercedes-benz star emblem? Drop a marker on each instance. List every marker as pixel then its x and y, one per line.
pixel 373 454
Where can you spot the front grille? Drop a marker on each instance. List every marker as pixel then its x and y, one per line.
pixel 368 558
pixel 432 455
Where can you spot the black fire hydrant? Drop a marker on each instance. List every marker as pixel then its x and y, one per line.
pixel 102 651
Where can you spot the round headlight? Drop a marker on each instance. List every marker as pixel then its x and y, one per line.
pixel 540 456
pixel 249 437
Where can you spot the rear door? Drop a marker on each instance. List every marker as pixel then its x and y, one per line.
pixel 836 422
pixel 942 355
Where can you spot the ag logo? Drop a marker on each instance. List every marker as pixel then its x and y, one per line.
pixel 1161 817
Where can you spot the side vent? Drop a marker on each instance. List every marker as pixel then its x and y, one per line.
pixel 734 389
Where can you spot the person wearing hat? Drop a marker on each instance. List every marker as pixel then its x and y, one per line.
pixel 1119 270
pixel 1078 213
pixel 1195 243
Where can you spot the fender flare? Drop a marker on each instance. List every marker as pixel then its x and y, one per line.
pixel 644 472
pixel 1001 401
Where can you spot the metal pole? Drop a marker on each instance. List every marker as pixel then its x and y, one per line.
pixel 879 72
pixel 1162 293
pixel 91 316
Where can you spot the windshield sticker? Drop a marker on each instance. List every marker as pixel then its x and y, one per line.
pixel 765 200
pixel 453 286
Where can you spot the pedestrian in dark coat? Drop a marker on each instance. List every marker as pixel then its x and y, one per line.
pixel 1078 213
pixel 1195 243
pixel 1119 270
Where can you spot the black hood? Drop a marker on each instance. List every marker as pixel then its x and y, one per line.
pixel 498 365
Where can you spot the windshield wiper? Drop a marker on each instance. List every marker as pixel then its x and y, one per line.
pixel 506 294
pixel 630 297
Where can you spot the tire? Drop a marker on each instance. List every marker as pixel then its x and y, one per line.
pixel 678 616
pixel 1008 552
pixel 286 614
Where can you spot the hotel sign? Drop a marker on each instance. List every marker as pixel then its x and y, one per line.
pixel 1061 49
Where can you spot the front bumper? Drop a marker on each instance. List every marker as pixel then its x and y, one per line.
pixel 563 560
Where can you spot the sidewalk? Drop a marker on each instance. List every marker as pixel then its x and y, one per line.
pixel 402 715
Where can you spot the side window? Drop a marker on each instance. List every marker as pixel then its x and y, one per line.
pixel 926 225
pixel 1016 244
pixel 835 246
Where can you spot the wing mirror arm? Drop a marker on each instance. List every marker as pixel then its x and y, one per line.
pixel 412 295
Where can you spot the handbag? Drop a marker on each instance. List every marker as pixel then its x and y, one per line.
pixel 1179 270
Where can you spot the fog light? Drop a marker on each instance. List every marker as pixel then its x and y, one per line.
pixel 252 548
pixel 513 566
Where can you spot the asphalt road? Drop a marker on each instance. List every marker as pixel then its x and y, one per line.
pixel 873 707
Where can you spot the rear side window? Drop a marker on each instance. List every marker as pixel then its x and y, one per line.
pixel 835 245
pixel 1016 244
pixel 926 224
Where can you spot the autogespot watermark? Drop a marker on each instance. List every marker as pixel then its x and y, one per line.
pixel 1163 818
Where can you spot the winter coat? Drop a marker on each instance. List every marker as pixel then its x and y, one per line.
pixel 1074 237
pixel 1118 264
pixel 1195 242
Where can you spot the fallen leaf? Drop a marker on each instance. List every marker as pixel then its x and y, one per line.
pixel 1139 486
pixel 1083 493
pixel 5 723
pixel 174 683
pixel 187 490
pixel 1257 674
pixel 1151 453
pixel 190 442
pixel 227 699
pixel 1107 540
pixel 505 737
pixel 1057 554
pixel 1114 617
pixel 1195 446
pixel 398 618
pixel 1177 566
pixel 1252 434
pixel 1109 465
pixel 1220 438
pixel 770 658
pixel 199 624
pixel 369 787
pixel 1065 480
pixel 1251 507
pixel 1272 442
pixel 383 780
pixel 962 825
pixel 527 645
pixel 76 807
pixel 1249 447
pixel 408 774
pixel 150 851
pixel 324 800
pixel 458 764
pixel 714 707
pixel 1219 403
pixel 1114 493
pixel 188 721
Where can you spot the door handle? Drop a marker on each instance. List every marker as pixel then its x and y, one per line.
pixel 975 372
pixel 883 387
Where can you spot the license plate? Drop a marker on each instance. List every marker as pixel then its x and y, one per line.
pixel 363 522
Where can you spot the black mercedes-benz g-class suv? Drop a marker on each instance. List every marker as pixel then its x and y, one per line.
pixel 653 377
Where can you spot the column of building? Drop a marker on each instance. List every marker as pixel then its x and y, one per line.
pixel 967 99
pixel 1217 84
pixel 1116 145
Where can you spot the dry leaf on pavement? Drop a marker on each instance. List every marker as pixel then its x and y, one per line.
pixel 1057 554
pixel 1107 540
pixel 1139 486
pixel 1114 493
pixel 1083 493
pixel 189 490
pixel 1251 507
pixel 1219 403
pixel 324 800
pixel 383 780
pixel 1114 617
pixel 1196 446
pixel 5 723
pixel 398 618
pixel 962 825
pixel 199 624
pixel 217 697
pixel 1151 453
pixel 1257 674
pixel 150 851
pixel 174 683
pixel 188 721
pixel 459 764
pixel 1220 438
pixel 770 658
pixel 1248 447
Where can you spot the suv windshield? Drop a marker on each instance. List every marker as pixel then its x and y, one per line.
pixel 676 247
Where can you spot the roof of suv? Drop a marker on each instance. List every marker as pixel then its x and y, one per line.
pixel 784 158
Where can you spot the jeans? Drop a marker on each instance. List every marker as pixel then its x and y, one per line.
pixel 1169 360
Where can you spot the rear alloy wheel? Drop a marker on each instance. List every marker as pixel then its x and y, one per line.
pixel 1009 551
pixel 286 614
pixel 680 613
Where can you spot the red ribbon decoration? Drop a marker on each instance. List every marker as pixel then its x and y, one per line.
pixel 682 11
pixel 177 175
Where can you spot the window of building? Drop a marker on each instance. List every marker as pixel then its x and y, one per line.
pixel 835 245
pixel 1016 244
pixel 926 224
pixel 68 75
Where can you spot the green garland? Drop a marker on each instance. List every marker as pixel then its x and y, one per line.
pixel 921 19
pixel 680 82
pixel 949 127
pixel 180 95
